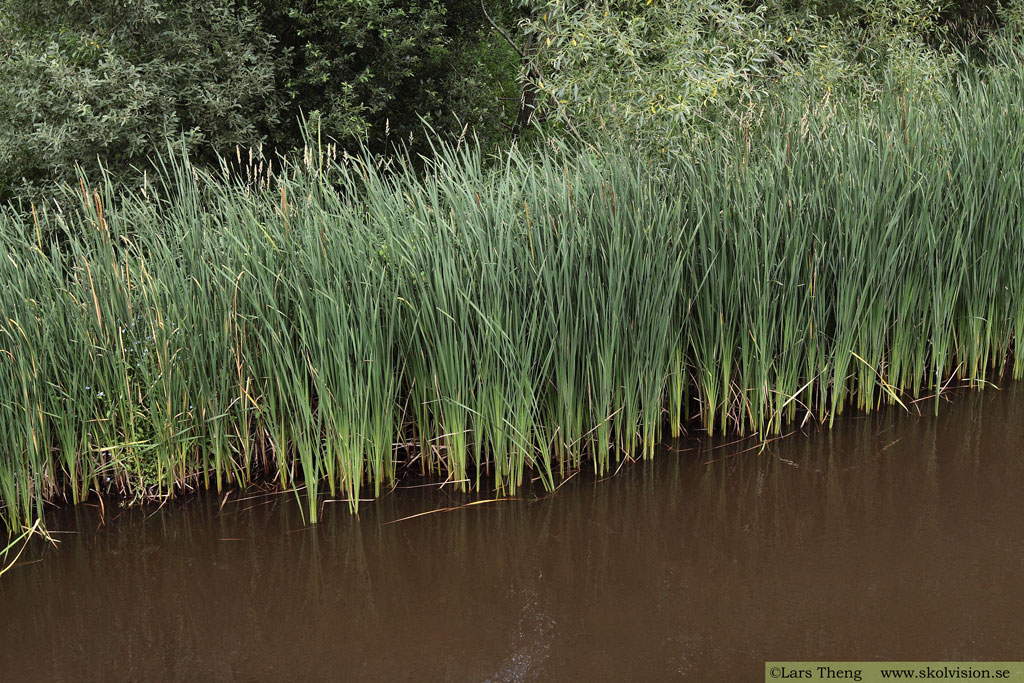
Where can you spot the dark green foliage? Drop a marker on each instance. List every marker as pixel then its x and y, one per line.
pixel 370 69
pixel 380 72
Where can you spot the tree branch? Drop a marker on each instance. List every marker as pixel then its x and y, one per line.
pixel 499 30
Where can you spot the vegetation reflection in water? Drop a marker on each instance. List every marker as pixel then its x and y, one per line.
pixel 711 558
pixel 542 314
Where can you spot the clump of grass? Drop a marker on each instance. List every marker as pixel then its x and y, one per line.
pixel 489 322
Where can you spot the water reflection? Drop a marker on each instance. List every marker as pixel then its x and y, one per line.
pixel 889 537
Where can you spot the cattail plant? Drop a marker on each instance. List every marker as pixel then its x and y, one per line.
pixel 321 324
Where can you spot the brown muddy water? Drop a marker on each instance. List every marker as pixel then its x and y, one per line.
pixel 891 537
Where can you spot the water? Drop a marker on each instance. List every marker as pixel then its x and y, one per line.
pixel 892 537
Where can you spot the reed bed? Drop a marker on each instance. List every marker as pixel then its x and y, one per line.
pixel 488 320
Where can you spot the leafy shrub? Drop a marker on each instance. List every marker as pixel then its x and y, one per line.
pixel 116 79
pixel 669 73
